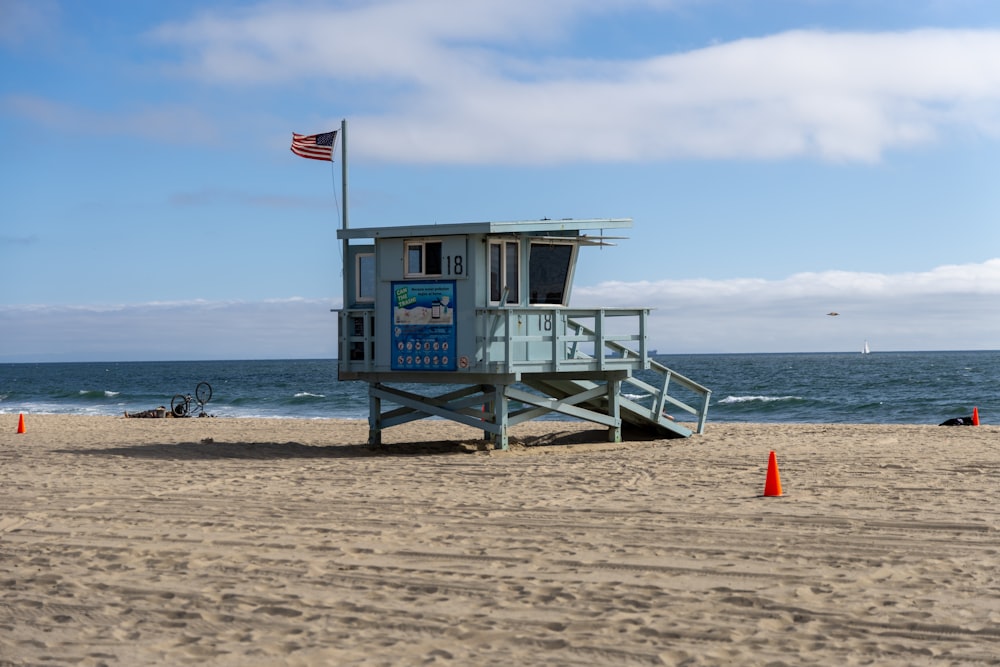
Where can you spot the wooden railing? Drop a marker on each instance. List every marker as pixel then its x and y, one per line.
pixel 356 339
pixel 522 340
pixel 540 340
pixel 665 379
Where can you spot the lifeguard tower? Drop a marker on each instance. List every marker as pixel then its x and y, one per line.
pixel 471 322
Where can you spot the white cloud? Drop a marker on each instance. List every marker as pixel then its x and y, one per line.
pixel 485 83
pixel 403 40
pixel 186 330
pixel 456 88
pixel 974 279
pixel 949 307
pixel 835 96
pixel 946 308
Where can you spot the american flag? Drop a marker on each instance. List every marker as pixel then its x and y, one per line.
pixel 314 146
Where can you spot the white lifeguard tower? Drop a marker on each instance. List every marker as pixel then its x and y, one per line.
pixel 471 322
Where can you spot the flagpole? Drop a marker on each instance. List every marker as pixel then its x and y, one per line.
pixel 343 169
pixel 343 202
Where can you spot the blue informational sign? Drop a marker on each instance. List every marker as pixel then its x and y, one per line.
pixel 423 326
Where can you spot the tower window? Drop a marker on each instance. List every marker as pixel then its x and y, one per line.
pixel 423 258
pixel 549 270
pixel 505 271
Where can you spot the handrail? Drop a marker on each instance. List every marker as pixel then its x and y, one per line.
pixel 561 351
pixel 660 394
pixel 358 349
pixel 561 338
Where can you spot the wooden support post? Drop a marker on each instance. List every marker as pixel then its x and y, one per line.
pixel 500 416
pixel 488 413
pixel 614 410
pixel 703 412
pixel 374 416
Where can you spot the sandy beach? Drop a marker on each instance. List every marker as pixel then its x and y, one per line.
pixel 290 542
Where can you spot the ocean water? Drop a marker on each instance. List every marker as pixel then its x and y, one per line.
pixel 883 387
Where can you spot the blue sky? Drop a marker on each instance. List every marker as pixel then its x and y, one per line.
pixel 781 159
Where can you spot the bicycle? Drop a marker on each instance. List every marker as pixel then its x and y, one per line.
pixel 180 404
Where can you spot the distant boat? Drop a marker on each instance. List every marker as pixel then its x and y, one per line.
pixel 866 349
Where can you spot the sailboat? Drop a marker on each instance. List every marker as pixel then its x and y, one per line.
pixel 866 349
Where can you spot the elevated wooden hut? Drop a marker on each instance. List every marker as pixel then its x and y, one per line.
pixel 471 322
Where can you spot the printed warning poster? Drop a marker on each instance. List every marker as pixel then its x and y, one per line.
pixel 423 326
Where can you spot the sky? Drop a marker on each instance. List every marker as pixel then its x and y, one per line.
pixel 780 160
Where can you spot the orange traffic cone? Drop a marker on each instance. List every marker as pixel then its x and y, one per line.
pixel 772 486
pixel 20 423
pixel 975 416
